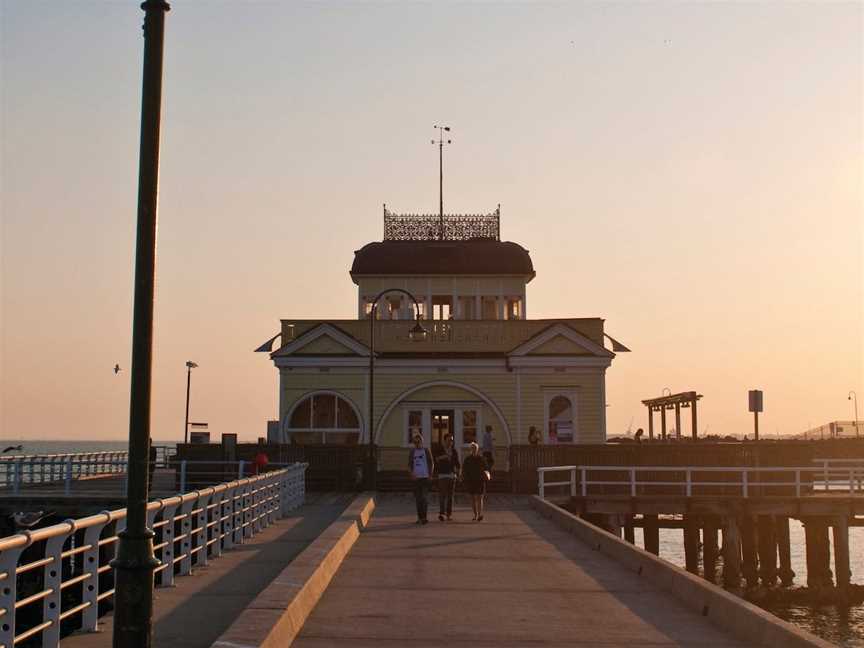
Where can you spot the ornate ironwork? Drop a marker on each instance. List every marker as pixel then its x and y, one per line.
pixel 427 227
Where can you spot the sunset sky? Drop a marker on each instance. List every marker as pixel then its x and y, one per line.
pixel 692 173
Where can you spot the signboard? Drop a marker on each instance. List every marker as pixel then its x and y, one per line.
pixel 755 400
pixel 199 438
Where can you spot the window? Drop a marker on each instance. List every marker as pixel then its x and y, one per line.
pixel 324 418
pixel 469 426
pixel 560 420
pixel 415 425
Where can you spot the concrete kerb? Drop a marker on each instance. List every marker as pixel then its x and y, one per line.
pixel 744 620
pixel 277 614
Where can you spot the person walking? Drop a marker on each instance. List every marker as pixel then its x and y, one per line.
pixel 420 467
pixel 448 466
pixel 488 448
pixel 475 474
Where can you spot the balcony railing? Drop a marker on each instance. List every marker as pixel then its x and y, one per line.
pixel 428 227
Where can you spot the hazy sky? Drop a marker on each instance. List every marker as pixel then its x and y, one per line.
pixel 692 173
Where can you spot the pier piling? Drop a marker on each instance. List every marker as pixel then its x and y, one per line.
pixel 784 550
pixel 731 554
pixel 749 565
pixel 651 533
pixel 710 549
pixel 818 558
pixel 767 541
pixel 691 543
pixel 841 554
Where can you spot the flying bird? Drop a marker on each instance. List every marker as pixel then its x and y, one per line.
pixel 116 369
pixel 11 448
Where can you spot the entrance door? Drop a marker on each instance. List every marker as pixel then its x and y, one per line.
pixel 442 425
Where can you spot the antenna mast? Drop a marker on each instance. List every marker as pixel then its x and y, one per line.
pixel 441 142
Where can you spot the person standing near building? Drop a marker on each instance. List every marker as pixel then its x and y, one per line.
pixel 488 448
pixel 420 467
pixel 475 475
pixel 448 466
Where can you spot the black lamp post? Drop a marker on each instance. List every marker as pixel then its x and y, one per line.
pixel 854 398
pixel 135 561
pixel 417 334
pixel 189 367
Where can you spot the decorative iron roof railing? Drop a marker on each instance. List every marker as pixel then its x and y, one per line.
pixel 428 227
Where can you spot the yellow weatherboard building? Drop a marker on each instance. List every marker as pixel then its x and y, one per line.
pixel 479 362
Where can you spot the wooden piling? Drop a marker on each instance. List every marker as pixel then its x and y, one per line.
pixel 818 559
pixel 629 536
pixel 691 543
pixel 731 554
pixel 784 550
pixel 651 533
pixel 841 554
pixel 749 550
pixel 767 543
pixel 710 549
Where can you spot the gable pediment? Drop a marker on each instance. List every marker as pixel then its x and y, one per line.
pixel 560 340
pixel 323 340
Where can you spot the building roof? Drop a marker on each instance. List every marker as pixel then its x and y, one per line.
pixel 471 257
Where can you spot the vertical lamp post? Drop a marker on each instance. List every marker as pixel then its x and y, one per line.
pixel 416 334
pixel 135 562
pixel 189 367
pixel 854 398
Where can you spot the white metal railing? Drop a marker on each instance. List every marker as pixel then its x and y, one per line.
pixel 841 474
pixel 20 471
pixel 693 480
pixel 63 572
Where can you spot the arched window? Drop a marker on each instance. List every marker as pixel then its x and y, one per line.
pixel 560 418
pixel 323 418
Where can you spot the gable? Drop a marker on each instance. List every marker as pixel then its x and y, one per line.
pixel 324 345
pixel 324 339
pixel 560 345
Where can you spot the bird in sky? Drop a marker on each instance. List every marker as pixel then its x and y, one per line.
pixel 10 448
pixel 116 369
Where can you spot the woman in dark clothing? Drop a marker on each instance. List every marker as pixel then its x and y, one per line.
pixel 474 474
pixel 448 466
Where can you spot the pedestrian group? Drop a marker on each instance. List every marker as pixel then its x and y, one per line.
pixel 474 472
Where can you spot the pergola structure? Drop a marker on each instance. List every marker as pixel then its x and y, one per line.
pixel 677 402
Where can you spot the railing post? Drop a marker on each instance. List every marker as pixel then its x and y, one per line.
pixel 583 475
pixel 744 481
pixel 540 487
pixel 825 472
pixel 90 566
pixel 690 486
pixel 166 576
pixel 240 467
pixel 573 482
pixel 797 483
pixel 182 476
pixel 67 479
pixel 186 531
pixel 201 535
pixel 632 482
pixel 9 594
pixel 52 578
pixel 16 484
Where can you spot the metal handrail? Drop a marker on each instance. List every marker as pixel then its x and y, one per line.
pixel 19 470
pixel 853 477
pixel 74 556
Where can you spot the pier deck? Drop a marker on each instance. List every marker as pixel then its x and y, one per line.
pixel 200 607
pixel 513 579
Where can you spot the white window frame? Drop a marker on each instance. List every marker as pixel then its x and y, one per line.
pixel 323 431
pixel 427 406
pixel 570 393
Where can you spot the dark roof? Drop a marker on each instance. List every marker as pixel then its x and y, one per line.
pixel 472 257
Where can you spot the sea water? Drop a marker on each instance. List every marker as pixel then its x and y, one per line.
pixel 843 626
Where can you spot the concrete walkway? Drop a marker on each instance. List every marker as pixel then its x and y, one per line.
pixel 202 606
pixel 514 579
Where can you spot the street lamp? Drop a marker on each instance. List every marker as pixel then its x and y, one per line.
pixel 854 398
pixel 189 367
pixel 135 562
pixel 416 334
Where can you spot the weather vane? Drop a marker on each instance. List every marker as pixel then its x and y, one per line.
pixel 441 142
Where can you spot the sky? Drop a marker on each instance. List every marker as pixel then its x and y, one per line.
pixel 691 173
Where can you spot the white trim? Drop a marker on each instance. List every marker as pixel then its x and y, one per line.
pixel 313 334
pixel 564 331
pixel 559 361
pixel 444 383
